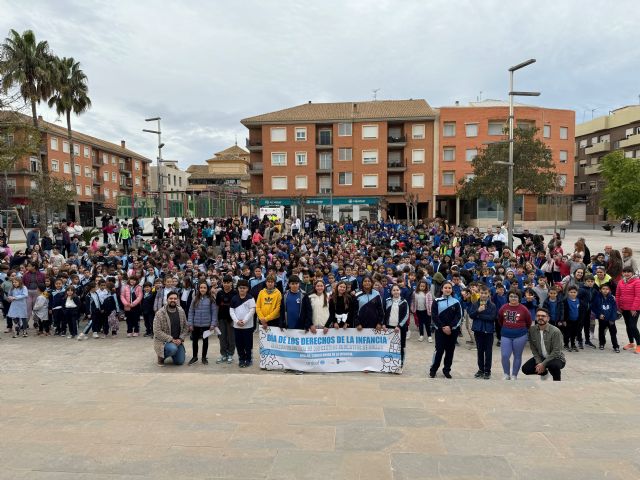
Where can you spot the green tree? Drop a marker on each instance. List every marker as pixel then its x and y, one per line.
pixel 71 94
pixel 533 169
pixel 26 64
pixel 621 194
pixel 51 192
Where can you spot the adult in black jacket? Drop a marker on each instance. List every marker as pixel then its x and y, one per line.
pixel 446 317
pixel 484 314
pixel 369 309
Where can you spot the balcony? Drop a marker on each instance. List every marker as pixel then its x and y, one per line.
pixel 324 140
pixel 631 141
pixel 253 145
pixel 125 168
pixel 395 190
pixel 324 166
pixel 127 185
pixel 98 197
pixel 397 141
pixel 598 147
pixel 256 168
pixel 16 191
pixel 97 181
pixel 96 162
pixel 592 169
pixel 396 166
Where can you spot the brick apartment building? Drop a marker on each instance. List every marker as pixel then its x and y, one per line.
pixel 620 130
pixel 104 171
pixel 465 130
pixel 351 159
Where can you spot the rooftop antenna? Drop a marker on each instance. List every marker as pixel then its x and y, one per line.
pixel 593 110
pixel 375 93
pixel 236 139
pixel 479 98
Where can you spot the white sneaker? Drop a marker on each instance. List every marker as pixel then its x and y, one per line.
pixel 514 377
pixel 95 335
pixel 69 336
pixel 430 339
pixel 80 336
pixel 421 339
pixel 506 377
pixel 408 334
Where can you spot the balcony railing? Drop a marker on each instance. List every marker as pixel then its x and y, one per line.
pixel 16 191
pixel 592 169
pixel 394 141
pixel 96 162
pixel 128 184
pixel 598 147
pixel 631 141
pixel 396 165
pixel 324 141
pixel 253 145
pixel 395 189
pixel 256 168
pixel 125 168
pixel 98 197
pixel 97 181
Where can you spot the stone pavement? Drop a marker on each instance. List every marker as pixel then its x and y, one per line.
pixel 101 409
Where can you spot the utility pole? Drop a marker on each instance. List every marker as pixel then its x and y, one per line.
pixel 160 175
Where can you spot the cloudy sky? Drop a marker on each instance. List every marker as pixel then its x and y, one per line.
pixel 203 66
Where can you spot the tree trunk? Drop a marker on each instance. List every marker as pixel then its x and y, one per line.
pixel 34 113
pixel 76 205
pixel 42 211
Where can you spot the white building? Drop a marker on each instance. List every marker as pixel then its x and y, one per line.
pixel 174 178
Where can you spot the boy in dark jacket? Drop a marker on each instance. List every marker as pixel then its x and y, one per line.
pixel 555 306
pixel 148 313
pixel 586 294
pixel 484 315
pixel 499 299
pixel 605 309
pixel 574 313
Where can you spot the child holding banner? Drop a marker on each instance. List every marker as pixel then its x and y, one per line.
pixel 268 304
pixel 341 311
pixel 370 313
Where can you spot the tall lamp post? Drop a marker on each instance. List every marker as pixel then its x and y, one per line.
pixel 160 176
pixel 512 93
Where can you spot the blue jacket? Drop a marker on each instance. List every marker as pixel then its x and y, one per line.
pixel 484 321
pixel 403 312
pixel 204 315
pixel 606 306
pixel 446 312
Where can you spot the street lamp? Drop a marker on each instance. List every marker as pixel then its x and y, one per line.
pixel 512 93
pixel 160 177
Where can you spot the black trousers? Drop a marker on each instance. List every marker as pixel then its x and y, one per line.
pixel 631 322
pixel 498 330
pixel 445 345
pixel 570 332
pixel 554 367
pixel 603 326
pixel 484 344
pixel 197 335
pixel 98 321
pixel 133 320
pixel 148 322
pixel 244 343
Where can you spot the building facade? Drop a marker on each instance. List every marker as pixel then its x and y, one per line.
pixel 228 169
pixel 620 130
pixel 344 160
pixel 465 130
pixel 104 171
pixel 174 179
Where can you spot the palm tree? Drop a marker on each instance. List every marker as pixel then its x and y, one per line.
pixel 70 95
pixel 26 64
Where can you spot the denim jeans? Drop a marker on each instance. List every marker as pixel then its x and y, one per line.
pixel 176 352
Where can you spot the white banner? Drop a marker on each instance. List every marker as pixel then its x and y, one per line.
pixel 336 351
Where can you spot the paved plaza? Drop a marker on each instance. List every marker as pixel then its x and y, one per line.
pixel 102 409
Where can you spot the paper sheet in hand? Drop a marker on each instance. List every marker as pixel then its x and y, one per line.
pixel 206 334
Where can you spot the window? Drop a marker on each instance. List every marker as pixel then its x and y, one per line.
pixel 77 169
pixel 114 160
pixel 32 184
pixel 417 132
pixel 114 194
pixel 470 154
pixel 179 181
pixel 78 190
pixel 417 156
pixel 594 140
pixel 301 182
pixel 326 160
pixel 471 129
pixel 278 134
pixel 369 131
pixel 324 184
pixel 583 185
pixel 369 157
pixel 345 154
pixel 369 181
pixel 449 129
pixel 562 180
pixel 496 128
pixel 605 138
pixel 279 159
pixel 86 152
pixel 105 158
pixel 301 158
pixel 324 137
pixel 448 178
pixel 564 155
pixel 547 131
pixel 54 166
pixel 301 134
pixel 583 143
pixel 87 190
pixel 278 183
pixel 345 178
pixel 525 124
pixel 34 163
pixel 76 150
pixel 65 146
pixel 54 143
pixel 564 133
pixel 628 154
pixel 105 176
pixel 449 154
pixel 87 172
pixel 114 178
pixel 417 180
pixel 628 132
pixel 67 168
pixel 106 192
pixel 137 181
pixel 345 129
pixel 469 176
pixel 137 165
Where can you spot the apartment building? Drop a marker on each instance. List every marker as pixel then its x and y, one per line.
pixel 174 179
pixel 104 171
pixel 620 130
pixel 341 160
pixel 466 130
pixel 228 169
